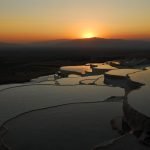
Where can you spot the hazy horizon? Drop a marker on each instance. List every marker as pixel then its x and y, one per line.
pixel 71 39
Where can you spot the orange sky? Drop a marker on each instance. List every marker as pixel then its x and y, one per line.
pixel 36 20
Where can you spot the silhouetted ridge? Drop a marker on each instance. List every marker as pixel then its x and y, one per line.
pixel 94 42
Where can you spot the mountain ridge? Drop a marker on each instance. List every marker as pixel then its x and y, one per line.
pixel 94 42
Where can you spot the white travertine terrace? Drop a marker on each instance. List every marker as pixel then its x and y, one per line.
pixel 142 77
pixel 93 64
pixel 122 72
pixel 95 68
pixel 18 100
pixel 139 99
pixel 76 69
pixel 105 66
pixel 148 67
pixel 102 68
pixel 49 91
pixel 115 62
pixel 97 80
pixel 43 78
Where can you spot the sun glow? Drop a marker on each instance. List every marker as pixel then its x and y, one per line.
pixel 88 35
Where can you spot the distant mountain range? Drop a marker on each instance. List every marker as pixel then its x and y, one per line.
pixel 99 43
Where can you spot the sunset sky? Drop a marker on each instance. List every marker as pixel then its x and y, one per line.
pixel 34 20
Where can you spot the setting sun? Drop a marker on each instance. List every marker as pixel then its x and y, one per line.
pixel 88 35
